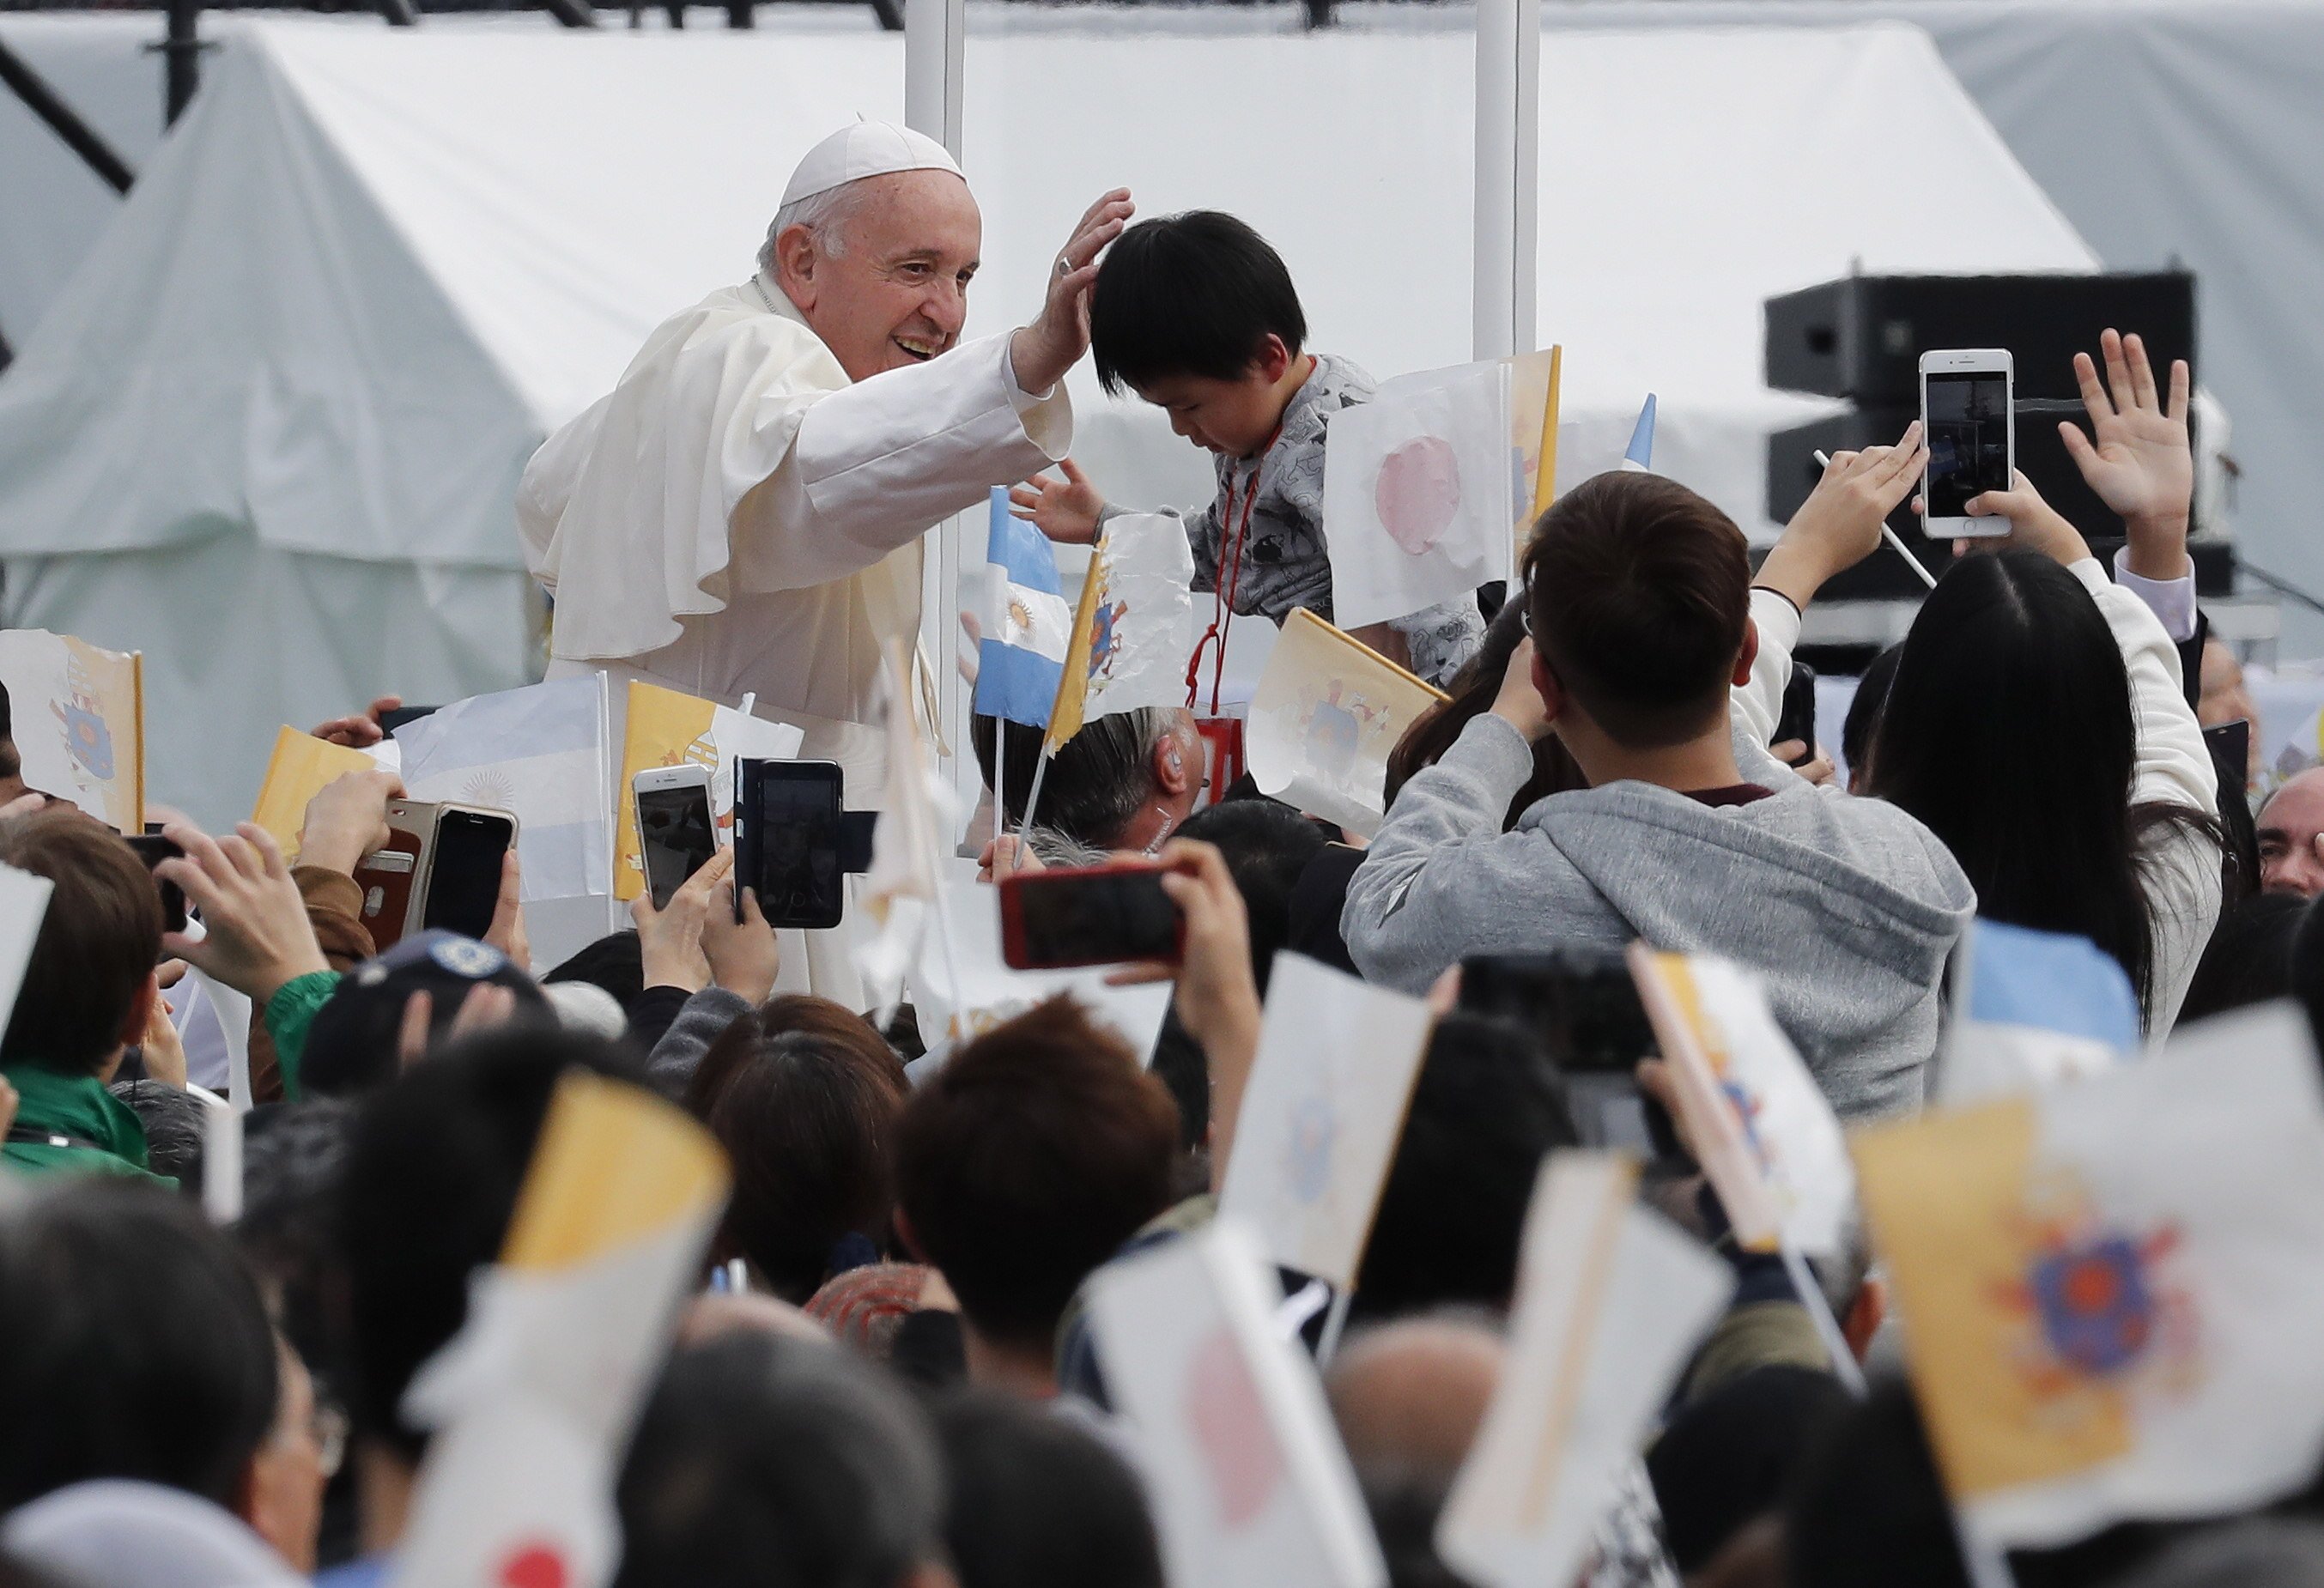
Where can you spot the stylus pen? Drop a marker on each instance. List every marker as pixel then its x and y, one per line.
pixel 1823 460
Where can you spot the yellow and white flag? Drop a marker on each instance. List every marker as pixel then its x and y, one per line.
pixel 78 716
pixel 1327 711
pixel 1767 1138
pixel 533 1401
pixel 1611 1299
pixel 300 767
pixel 900 889
pixel 1337 1064
pixel 667 728
pixel 1133 627
pixel 2110 1289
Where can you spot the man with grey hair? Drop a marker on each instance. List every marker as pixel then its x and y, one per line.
pixel 1127 780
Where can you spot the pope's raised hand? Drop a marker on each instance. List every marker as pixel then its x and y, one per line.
pixel 1053 344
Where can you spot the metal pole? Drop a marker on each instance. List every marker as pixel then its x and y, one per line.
pixel 742 15
pixel 181 58
pixel 1509 99
pixel 935 61
pixel 398 14
pixel 79 136
pixel 572 13
pixel 934 64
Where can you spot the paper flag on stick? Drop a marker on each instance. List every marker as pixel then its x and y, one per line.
pixel 1337 1064
pixel 532 1402
pixel 1417 493
pixel 23 902
pixel 2032 1009
pixel 1250 1486
pixel 1132 629
pixel 79 717
pixel 1027 621
pixel 300 767
pixel 1541 478
pixel 1766 1136
pixel 1326 712
pixel 1611 1300
pixel 1641 454
pixel 666 728
pixel 2098 1283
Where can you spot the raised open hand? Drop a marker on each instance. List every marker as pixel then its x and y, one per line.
pixel 1066 511
pixel 1053 344
pixel 2141 465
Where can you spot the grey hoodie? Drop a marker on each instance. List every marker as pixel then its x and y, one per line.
pixel 1847 907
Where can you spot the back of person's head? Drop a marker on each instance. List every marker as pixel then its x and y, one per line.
pixel 172 1118
pixel 1266 845
pixel 432 1180
pixel 294 1156
pixel 354 1045
pixel 1487 1108
pixel 615 963
pixel 1729 1457
pixel 2248 959
pixel 803 1094
pixel 1026 1162
pixel 1036 1501
pixel 1408 1397
pixel 133 1344
pixel 2008 732
pixel 1858 729
pixel 764 1462
pixel 1639 593
pixel 1869 1509
pixel 1472 690
pixel 86 982
pixel 1099 780
pixel 1193 294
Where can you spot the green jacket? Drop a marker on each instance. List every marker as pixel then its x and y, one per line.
pixel 103 1134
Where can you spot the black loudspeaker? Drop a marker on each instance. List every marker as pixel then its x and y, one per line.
pixel 1862 336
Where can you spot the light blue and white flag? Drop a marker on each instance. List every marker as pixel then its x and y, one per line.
pixel 2032 1009
pixel 1026 623
pixel 1641 454
pixel 540 753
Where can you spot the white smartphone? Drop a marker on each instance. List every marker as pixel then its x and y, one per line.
pixel 676 835
pixel 1969 415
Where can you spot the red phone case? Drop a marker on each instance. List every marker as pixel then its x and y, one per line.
pixel 1016 951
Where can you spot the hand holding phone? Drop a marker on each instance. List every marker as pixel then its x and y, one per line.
pixel 1968 418
pixel 788 840
pixel 1582 1003
pixel 463 886
pixel 676 835
pixel 152 848
pixel 1111 914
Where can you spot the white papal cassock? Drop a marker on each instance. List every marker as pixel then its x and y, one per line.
pixel 736 517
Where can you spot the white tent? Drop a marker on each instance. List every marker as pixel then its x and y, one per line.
pixel 270 431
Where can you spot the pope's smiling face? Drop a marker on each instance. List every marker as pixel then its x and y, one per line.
pixel 887 284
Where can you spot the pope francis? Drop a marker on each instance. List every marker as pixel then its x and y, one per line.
pixel 742 513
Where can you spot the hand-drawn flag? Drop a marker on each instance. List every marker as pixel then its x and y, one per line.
pixel 1611 1300
pixel 1417 493
pixel 300 767
pixel 1133 627
pixel 1639 455
pixel 1250 1486
pixel 2032 1009
pixel 666 728
pixel 24 902
pixel 1027 621
pixel 1327 711
pixel 2108 1288
pixel 540 753
pixel 899 890
pixel 533 1401
pixel 1337 1064
pixel 1766 1136
pixel 77 715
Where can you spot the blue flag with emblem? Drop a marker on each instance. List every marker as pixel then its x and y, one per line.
pixel 2031 1008
pixel 1027 624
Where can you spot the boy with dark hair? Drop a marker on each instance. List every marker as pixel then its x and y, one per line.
pixel 1691 835
pixel 1197 314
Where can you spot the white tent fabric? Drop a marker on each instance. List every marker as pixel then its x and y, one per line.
pixel 282 405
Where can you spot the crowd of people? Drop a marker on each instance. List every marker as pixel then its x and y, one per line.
pixel 886 1375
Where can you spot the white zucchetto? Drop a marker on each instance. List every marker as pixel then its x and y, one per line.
pixel 866 149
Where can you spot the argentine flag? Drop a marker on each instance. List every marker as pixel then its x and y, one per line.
pixel 1639 455
pixel 2032 1009
pixel 1026 623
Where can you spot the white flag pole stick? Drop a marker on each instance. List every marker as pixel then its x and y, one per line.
pixel 221 1162
pixel 1823 460
pixel 1827 1328
pixel 1000 775
pixel 1033 797
pixel 1334 1322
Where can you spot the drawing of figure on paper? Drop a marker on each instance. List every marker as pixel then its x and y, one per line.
pixel 88 741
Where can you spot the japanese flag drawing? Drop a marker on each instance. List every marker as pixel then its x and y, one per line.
pixel 2109 1288
pixel 1418 493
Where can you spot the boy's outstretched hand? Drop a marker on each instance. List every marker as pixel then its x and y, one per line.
pixel 1066 509
pixel 2142 464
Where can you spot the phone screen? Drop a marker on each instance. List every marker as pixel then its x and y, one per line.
pixel 1582 1003
pixel 792 827
pixel 463 880
pixel 1968 438
pixel 676 836
pixel 1094 918
pixel 153 849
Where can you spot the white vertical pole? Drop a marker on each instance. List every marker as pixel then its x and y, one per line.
pixel 934 31
pixel 1508 100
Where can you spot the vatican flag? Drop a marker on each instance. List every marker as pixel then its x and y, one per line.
pixel 300 767
pixel 1325 714
pixel 2111 1289
pixel 667 728
pixel 533 1401
pixel 1133 627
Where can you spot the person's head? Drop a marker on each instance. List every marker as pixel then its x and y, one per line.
pixel 1726 1459
pixel 432 1180
pixel 354 1045
pixel 1863 720
pixel 803 1094
pixel 294 1156
pixel 172 1118
pixel 1637 593
pixel 1036 1501
pixel 2248 959
pixel 2030 787
pixel 1197 314
pixel 285 1493
pixel 1266 845
pixel 2291 835
pixel 2225 698
pixel 879 266
pixel 615 963
pixel 1408 1397
pixel 1025 1162
pixel 1486 1109
pixel 88 987
pixel 1869 1509
pixel 133 1344
pixel 1127 780
pixel 764 1462
pixel 1472 690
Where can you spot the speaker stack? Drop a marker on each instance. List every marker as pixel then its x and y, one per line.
pixel 1861 338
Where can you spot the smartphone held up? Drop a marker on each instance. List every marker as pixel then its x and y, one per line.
pixel 1064 917
pixel 678 835
pixel 1968 417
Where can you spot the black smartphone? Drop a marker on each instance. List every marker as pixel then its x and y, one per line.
pixel 389 721
pixel 676 835
pixel 1582 1004
pixel 1798 720
pixel 787 840
pixel 2230 747
pixel 1096 914
pixel 153 849
pixel 463 870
